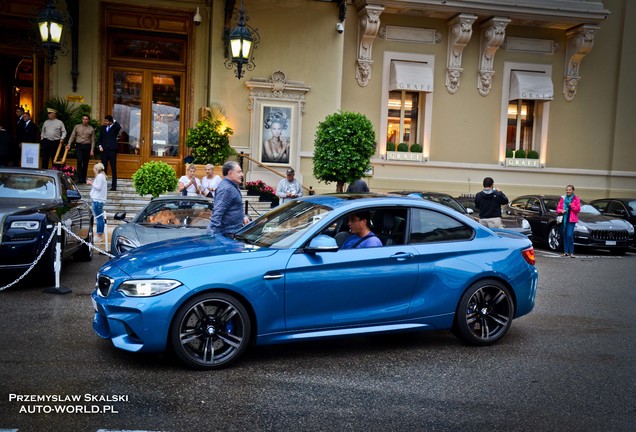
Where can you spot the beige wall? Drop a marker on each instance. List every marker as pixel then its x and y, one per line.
pixel 590 139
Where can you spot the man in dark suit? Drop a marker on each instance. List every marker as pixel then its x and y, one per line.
pixel 109 146
pixel 30 133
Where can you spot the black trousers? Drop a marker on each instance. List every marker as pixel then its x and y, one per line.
pixel 83 152
pixel 110 156
pixel 47 151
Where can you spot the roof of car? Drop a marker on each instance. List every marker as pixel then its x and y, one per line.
pixel 181 198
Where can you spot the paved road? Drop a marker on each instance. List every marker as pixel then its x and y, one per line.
pixel 568 366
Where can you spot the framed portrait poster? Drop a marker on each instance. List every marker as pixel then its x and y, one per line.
pixel 277 133
pixel 30 155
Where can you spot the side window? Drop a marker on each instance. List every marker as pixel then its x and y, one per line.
pixel 430 226
pixel 387 224
pixel 534 205
pixel 601 205
pixel 519 204
pixel 616 207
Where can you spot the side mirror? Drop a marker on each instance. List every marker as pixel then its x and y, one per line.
pixel 322 243
pixel 73 195
pixel 120 216
pixel 469 211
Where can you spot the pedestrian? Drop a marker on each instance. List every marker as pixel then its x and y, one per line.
pixel 361 235
pixel 489 202
pixel 288 188
pixel 5 146
pixel 53 134
pixel 358 186
pixel 109 146
pixel 569 207
pixel 83 136
pixel 29 130
pixel 99 191
pixel 14 151
pixel 228 215
pixel 189 184
pixel 210 182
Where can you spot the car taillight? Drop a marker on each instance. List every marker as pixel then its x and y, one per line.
pixel 528 255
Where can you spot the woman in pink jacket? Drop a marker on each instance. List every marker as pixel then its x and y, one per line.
pixel 569 206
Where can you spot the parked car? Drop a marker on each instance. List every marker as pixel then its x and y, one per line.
pixel 624 208
pixel 593 229
pixel 32 202
pixel 510 220
pixel 162 218
pixel 283 278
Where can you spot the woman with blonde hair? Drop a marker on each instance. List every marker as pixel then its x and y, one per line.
pixel 188 184
pixel 99 189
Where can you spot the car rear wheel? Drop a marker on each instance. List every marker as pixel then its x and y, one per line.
pixel 554 238
pixel 484 313
pixel 210 331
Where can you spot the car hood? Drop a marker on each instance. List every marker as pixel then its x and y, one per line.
pixel 21 206
pixel 603 220
pixel 154 259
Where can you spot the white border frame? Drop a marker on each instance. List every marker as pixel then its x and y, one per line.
pixel 28 150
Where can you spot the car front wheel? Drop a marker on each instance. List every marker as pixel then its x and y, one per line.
pixel 210 331
pixel 554 238
pixel 484 313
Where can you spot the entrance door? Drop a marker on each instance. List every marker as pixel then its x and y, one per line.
pixel 147 105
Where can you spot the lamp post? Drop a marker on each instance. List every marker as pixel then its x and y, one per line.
pixel 242 41
pixel 51 24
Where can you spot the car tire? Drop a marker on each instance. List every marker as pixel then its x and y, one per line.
pixel 85 253
pixel 484 313
pixel 555 242
pixel 210 331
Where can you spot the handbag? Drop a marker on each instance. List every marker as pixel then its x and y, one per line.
pixel 559 219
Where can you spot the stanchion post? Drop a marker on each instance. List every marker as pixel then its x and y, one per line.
pixel 57 265
pixel 106 242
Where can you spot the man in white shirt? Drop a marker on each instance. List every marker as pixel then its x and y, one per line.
pixel 288 188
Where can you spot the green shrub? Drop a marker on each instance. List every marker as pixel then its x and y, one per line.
pixel 403 147
pixel 345 142
pixel 520 154
pixel 390 146
pixel 209 143
pixel 508 153
pixel 533 154
pixel 416 148
pixel 154 178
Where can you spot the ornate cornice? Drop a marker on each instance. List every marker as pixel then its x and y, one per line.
pixel 277 87
pixel 580 41
pixel 460 29
pixel 493 33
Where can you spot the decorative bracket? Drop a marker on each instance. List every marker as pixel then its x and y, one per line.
pixel 580 42
pixel 493 33
pixel 460 29
pixel 369 20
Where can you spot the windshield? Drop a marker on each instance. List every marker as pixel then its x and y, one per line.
pixel 281 227
pixel 26 186
pixel 180 212
pixel 589 209
pixel 445 200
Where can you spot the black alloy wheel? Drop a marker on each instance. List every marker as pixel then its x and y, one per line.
pixel 210 331
pixel 555 242
pixel 484 313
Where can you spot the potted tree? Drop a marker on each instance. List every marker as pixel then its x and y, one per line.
pixel 345 142
pixel 209 140
pixel 154 178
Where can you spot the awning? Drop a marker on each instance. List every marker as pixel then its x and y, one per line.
pixel 411 76
pixel 530 85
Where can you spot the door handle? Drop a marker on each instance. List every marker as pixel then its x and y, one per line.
pixel 273 276
pixel 402 256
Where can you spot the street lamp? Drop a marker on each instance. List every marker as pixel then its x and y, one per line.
pixel 51 24
pixel 242 40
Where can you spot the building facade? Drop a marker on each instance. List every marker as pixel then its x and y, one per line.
pixel 537 94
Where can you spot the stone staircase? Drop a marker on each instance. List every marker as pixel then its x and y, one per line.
pixel 126 199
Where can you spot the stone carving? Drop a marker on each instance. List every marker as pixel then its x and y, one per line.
pixel 369 20
pixel 492 36
pixel 460 29
pixel 580 42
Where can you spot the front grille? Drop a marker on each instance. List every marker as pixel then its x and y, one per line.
pixel 103 285
pixel 605 235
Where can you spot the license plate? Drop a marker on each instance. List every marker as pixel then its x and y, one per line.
pixel 610 243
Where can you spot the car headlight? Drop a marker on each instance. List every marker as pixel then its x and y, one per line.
pixel 26 224
pixel 124 244
pixel 581 228
pixel 630 228
pixel 525 224
pixel 147 287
